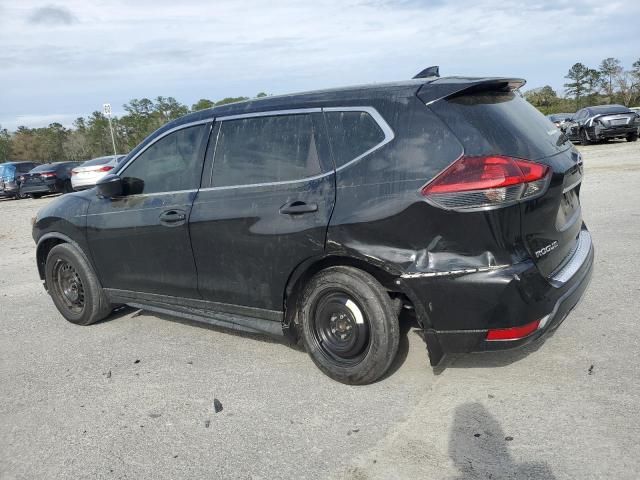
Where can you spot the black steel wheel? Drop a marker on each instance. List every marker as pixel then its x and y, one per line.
pixel 349 325
pixel 74 287
pixel 341 329
pixel 67 285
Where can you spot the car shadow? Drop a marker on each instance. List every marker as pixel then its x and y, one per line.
pixel 479 449
pixel 407 324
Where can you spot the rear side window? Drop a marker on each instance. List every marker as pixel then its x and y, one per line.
pixel 500 123
pixel 352 134
pixel 171 164
pixel 265 150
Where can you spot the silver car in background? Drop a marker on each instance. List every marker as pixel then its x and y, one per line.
pixel 86 175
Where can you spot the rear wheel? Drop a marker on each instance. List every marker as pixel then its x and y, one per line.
pixel 36 195
pixel 74 287
pixel 349 325
pixel 632 137
pixel 584 140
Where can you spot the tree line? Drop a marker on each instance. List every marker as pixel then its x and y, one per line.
pixel 90 136
pixel 609 83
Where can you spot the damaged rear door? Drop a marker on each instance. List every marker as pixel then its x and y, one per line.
pixel 268 193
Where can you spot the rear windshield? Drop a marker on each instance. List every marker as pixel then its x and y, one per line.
pixel 97 161
pixel 608 109
pixel 501 123
pixel 47 167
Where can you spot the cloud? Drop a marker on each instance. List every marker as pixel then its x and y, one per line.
pixel 51 15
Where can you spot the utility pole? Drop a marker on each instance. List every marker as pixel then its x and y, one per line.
pixel 106 109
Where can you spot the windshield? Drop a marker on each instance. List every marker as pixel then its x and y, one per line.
pixel 7 172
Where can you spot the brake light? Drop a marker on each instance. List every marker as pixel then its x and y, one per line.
pixel 514 333
pixel 486 182
pixel 48 174
pixel 106 168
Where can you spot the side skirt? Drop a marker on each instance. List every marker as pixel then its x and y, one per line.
pixel 234 317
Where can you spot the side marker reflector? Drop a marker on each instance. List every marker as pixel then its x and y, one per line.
pixel 513 333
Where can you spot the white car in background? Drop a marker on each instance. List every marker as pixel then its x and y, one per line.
pixel 86 175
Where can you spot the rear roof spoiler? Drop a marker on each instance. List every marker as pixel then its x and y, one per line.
pixel 449 86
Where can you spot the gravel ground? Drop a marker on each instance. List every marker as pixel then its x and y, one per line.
pixel 133 397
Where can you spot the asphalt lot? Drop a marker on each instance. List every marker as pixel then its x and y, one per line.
pixel 132 397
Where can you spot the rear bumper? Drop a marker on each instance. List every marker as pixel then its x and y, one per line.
pixel 41 188
pixel 599 133
pixel 466 308
pixel 10 189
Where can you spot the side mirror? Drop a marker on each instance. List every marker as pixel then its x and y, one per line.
pixel 109 186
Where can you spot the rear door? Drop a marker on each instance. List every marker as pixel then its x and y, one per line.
pixel 269 193
pixel 502 122
pixel 140 241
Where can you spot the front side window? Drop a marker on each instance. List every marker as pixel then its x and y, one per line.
pixel 171 164
pixel 266 150
pixel 352 134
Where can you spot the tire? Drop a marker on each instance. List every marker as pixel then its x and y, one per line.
pixel 584 140
pixel 67 188
pixel 36 195
pixel 74 287
pixel 350 325
pixel 632 137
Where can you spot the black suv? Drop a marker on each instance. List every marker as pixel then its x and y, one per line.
pixel 48 178
pixel 11 176
pixel 326 214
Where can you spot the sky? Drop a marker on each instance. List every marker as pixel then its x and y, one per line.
pixel 61 60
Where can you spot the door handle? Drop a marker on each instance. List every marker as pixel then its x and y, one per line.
pixel 298 207
pixel 173 218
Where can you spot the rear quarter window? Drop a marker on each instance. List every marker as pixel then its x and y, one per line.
pixel 352 134
pixel 500 123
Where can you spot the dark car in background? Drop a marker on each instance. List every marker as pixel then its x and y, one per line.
pixel 603 122
pixel 560 119
pixel 327 215
pixel 48 178
pixel 11 175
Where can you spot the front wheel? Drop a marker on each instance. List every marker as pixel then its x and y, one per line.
pixel 349 325
pixel 74 287
pixel 632 137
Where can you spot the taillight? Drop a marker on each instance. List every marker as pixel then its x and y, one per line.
pixel 48 175
pixel 486 182
pixel 513 333
pixel 74 172
pixel 106 168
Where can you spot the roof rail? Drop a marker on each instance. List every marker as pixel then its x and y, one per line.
pixel 429 72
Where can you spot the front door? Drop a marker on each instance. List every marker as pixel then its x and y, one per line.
pixel 265 209
pixel 140 241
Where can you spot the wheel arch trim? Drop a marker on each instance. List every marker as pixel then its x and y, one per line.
pixel 62 238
